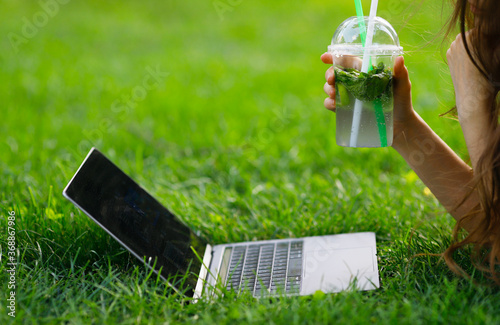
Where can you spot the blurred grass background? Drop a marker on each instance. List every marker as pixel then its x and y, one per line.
pixel 232 136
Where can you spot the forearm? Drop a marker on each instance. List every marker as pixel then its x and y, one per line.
pixel 442 171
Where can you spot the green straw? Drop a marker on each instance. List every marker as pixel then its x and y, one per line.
pixel 379 116
pixel 379 112
pixel 361 20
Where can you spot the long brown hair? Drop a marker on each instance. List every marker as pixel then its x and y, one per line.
pixel 483 49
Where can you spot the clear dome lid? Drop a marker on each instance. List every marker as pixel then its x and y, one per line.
pixel 348 38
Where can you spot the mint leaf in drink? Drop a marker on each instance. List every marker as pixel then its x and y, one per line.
pixel 376 84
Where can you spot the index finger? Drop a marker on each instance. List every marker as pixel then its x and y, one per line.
pixel 327 58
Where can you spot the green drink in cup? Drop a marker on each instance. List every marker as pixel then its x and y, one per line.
pixel 363 63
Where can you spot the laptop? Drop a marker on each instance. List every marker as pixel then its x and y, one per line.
pixel 142 225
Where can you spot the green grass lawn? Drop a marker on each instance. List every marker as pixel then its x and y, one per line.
pixel 232 136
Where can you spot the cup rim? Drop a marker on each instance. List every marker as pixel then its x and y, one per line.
pixel 360 50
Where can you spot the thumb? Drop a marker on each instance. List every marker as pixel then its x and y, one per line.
pixel 402 84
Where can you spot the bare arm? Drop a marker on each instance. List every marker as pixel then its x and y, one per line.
pixel 447 176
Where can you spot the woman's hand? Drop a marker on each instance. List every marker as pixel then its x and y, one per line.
pixel 329 86
pixel 403 109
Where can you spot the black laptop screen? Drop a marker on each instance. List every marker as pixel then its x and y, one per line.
pixel 134 217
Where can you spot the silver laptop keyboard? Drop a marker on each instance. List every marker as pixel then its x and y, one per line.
pixel 274 268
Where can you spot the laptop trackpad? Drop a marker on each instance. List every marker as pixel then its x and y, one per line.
pixel 334 270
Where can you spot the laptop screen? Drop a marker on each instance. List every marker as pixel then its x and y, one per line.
pixel 134 218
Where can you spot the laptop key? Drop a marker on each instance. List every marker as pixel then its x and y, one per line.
pixel 295 267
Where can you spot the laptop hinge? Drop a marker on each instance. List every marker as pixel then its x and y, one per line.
pixel 207 258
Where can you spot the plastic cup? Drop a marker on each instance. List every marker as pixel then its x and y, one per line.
pixel 369 94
